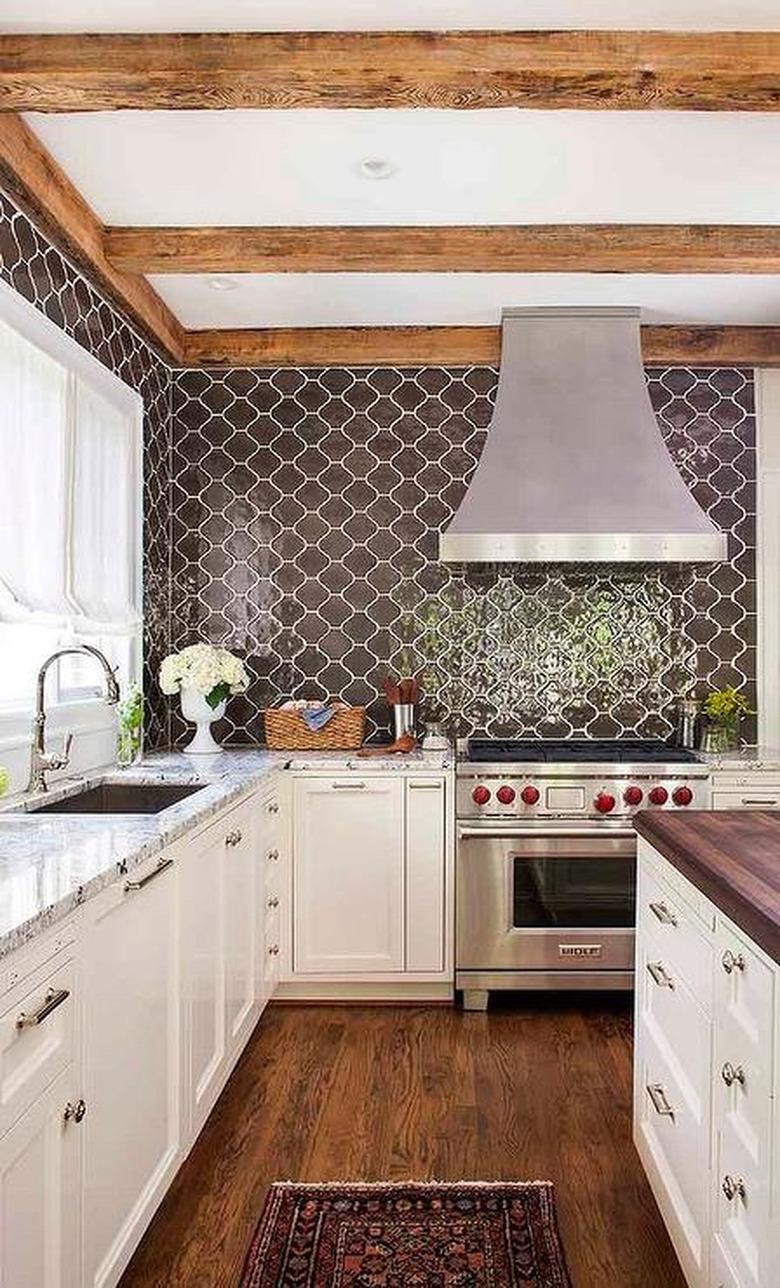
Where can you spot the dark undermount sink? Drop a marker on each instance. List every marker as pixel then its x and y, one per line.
pixel 121 798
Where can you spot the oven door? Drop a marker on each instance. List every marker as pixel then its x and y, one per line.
pixel 546 898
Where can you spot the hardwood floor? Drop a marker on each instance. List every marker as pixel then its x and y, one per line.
pixel 538 1088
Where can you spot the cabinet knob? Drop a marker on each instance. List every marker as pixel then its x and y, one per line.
pixel 233 838
pixel 732 961
pixel 731 1074
pixel 733 1187
pixel 76 1112
pixel 273 951
pixel 273 902
pixel 273 808
pixel 273 855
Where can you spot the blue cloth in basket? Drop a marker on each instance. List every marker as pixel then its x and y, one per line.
pixel 317 717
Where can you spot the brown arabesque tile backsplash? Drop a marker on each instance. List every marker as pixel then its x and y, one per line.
pixel 293 515
pixel 306 512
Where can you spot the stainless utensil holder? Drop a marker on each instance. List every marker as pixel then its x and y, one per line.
pixel 404 718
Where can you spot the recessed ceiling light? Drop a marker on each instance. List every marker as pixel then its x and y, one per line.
pixel 376 168
pixel 222 284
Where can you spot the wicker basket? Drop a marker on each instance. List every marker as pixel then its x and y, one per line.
pixel 288 731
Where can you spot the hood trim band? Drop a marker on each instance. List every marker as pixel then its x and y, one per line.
pixel 585 547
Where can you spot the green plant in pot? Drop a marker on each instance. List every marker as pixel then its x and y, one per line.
pixel 725 710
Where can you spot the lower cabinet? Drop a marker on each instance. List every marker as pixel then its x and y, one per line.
pixel 131 1062
pixel 707 1040
pixel 40 1192
pixel 370 878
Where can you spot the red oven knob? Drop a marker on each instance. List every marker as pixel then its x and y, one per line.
pixel 506 795
pixel 529 795
pixel 481 795
pixel 682 795
pixel 658 796
pixel 604 803
pixel 633 795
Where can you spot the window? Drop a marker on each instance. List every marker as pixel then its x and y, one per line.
pixel 70 526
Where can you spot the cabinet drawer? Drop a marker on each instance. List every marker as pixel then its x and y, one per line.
pixel 747 798
pixel 678 1024
pixel 20 965
pixel 674 1130
pixel 676 929
pixel 37 1037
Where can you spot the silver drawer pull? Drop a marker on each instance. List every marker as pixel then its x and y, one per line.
pixel 273 951
pixel 233 838
pixel 273 902
pixel 54 998
pixel 273 808
pixel 425 787
pixel 746 800
pixel 658 1098
pixel 734 1187
pixel 273 855
pixel 732 961
pixel 348 787
pixel 162 866
pixel 77 1112
pixel 732 1073
pixel 663 914
pixel 660 975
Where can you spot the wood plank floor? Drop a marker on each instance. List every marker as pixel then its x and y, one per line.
pixel 538 1088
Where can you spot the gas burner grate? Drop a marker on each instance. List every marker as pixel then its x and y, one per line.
pixel 577 751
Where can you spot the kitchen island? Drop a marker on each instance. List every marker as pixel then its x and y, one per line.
pixel 707 1036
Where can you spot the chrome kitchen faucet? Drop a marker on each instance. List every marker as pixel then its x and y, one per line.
pixel 42 761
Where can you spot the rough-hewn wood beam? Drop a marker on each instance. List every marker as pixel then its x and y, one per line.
pixel 414 346
pixel 542 248
pixel 702 71
pixel 30 174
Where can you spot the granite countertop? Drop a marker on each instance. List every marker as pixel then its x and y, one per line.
pixel 733 857
pixel 744 760
pixel 52 863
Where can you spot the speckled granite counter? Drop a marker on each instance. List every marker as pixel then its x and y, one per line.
pixel 51 864
pixel 746 760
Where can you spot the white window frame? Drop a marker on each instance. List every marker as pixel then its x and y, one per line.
pixel 83 712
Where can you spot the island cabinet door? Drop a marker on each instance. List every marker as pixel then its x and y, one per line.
pixel 131 1054
pixel 745 1231
pixel 348 875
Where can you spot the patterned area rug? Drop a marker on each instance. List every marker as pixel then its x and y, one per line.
pixel 466 1235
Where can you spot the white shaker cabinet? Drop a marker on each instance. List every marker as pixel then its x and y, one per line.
pixel 348 874
pixel 426 874
pixel 40 1192
pixel 131 1062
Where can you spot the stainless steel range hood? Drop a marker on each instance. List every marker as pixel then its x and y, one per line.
pixel 574 467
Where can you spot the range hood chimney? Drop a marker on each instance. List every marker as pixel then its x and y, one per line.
pixel 574 467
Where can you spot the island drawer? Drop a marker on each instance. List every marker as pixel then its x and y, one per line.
pixel 37 1036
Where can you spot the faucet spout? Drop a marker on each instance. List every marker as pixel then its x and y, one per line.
pixel 42 761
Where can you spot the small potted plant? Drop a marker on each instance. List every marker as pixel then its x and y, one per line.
pixel 725 710
pixel 131 724
pixel 205 676
pixel 5 779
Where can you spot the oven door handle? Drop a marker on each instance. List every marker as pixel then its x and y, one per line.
pixel 524 833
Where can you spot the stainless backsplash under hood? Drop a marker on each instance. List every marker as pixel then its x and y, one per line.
pixel 574 467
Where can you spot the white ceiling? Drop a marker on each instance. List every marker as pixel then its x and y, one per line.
pixel 345 15
pixel 474 299
pixel 301 167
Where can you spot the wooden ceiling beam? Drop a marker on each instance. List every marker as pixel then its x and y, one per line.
pixel 629 70
pixel 31 175
pixel 542 248
pixel 415 346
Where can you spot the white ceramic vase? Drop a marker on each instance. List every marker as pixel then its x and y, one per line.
pixel 195 708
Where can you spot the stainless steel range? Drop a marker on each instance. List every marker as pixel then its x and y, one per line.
pixel 546 858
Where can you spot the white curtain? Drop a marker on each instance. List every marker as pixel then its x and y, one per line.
pixel 34 409
pixel 69 532
pixel 102 573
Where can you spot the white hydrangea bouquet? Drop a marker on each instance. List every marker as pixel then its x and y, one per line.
pixel 205 676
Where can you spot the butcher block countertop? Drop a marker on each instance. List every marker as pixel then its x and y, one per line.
pixel 733 857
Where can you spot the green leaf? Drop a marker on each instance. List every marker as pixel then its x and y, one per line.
pixel 218 694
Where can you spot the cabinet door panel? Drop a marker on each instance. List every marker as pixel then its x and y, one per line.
pixel 349 877
pixel 202 912
pixel 425 874
pixel 40 1198
pixel 131 1017
pixel 241 927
